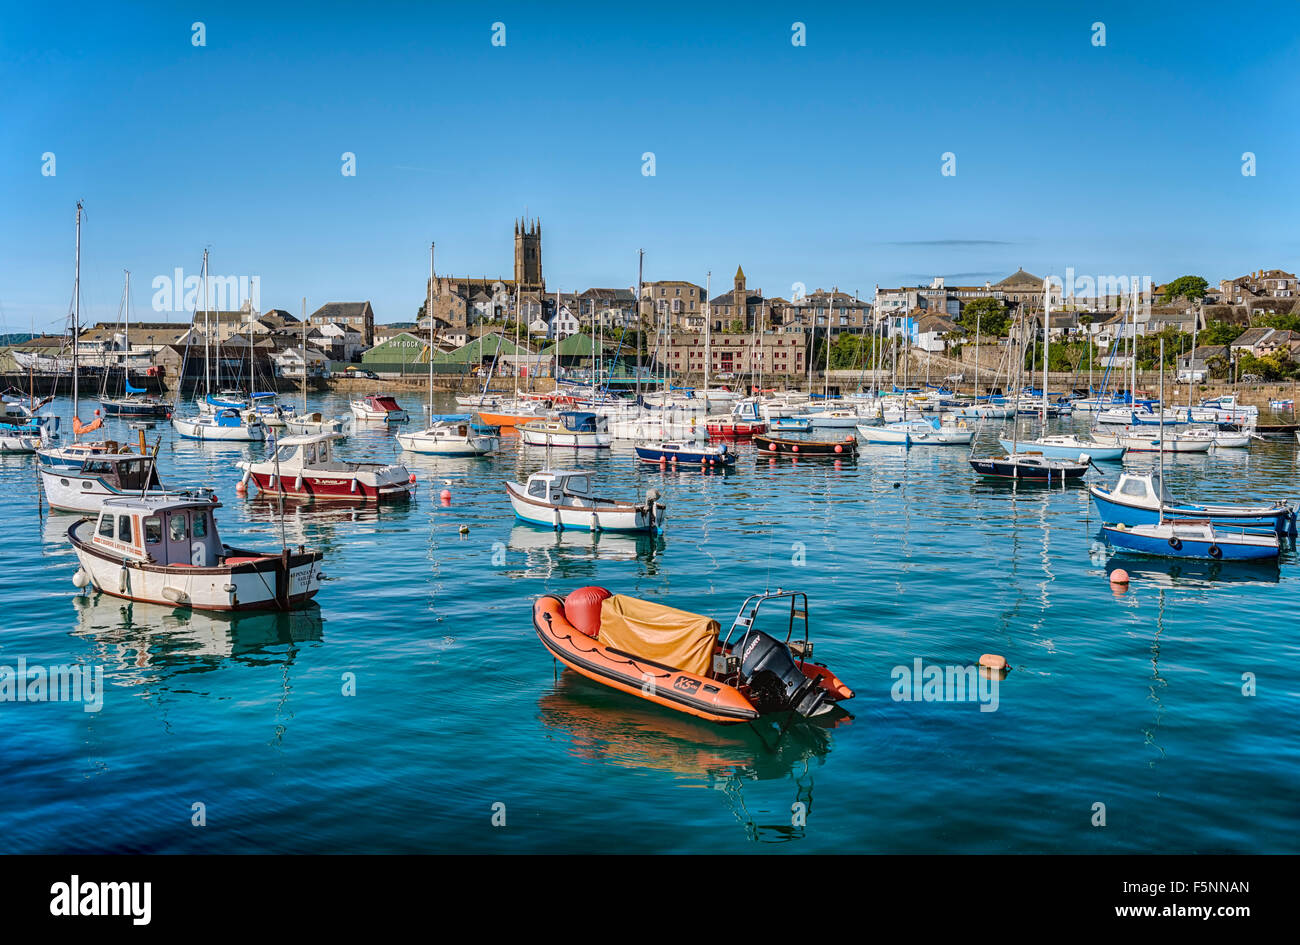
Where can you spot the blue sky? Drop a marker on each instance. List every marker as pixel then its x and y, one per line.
pixel 818 164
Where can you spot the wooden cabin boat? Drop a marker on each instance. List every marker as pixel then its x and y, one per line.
pixel 574 429
pixel 107 476
pixel 686 455
pixel 226 424
pixel 1032 467
pixel 166 550
pixel 449 438
pixel 1137 499
pixel 1182 538
pixel 563 499
pixel 836 449
pixel 681 661
pixel 305 467
pixel 379 407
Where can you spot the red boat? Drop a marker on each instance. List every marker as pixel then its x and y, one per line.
pixel 304 467
pixel 735 429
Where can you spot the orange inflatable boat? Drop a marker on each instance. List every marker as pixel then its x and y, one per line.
pixel 681 660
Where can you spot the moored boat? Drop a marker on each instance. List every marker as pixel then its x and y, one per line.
pixel 686 455
pixel 449 438
pixel 1178 538
pixel 223 424
pixel 573 429
pixel 103 477
pixel 918 433
pixel 838 449
pixel 166 550
pixel 1138 497
pixel 682 661
pixel 563 499
pixel 1066 446
pixel 1032 467
pixel 381 407
pixel 305 466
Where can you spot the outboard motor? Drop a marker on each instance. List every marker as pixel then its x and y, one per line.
pixel 774 677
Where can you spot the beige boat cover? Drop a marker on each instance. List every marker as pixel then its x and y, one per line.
pixel 664 634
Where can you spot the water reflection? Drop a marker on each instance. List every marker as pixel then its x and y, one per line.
pixel 572 553
pixel 313 522
pixel 614 728
pixel 1190 572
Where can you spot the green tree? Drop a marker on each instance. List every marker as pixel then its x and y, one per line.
pixel 992 316
pixel 1219 333
pixel 1191 288
pixel 1273 367
pixel 1281 322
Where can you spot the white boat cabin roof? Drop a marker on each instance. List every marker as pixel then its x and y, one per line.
pixel 153 504
pixel 306 439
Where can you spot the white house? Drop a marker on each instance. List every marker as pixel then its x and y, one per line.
pixel 340 342
pixel 290 361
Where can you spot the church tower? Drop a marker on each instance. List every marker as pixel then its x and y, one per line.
pixel 528 254
pixel 739 297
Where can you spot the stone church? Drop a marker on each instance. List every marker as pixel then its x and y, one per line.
pixel 460 302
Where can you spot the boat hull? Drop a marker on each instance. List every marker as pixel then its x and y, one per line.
pixel 835 449
pixel 1157 543
pixel 68 491
pixel 1095 451
pixel 685 458
pixel 1027 470
pixel 607 517
pixel 196 429
pixel 1280 520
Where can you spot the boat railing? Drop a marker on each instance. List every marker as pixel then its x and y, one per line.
pixel 747 615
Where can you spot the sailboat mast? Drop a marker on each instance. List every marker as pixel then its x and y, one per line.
pixel 826 376
pixel 207 333
pixel 76 325
pixel 708 327
pixel 428 310
pixel 1047 341
pixel 304 355
pixel 1160 494
pixel 640 269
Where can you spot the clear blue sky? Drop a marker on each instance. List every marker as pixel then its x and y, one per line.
pixel 818 164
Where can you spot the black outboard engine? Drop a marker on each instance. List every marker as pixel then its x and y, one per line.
pixel 774 677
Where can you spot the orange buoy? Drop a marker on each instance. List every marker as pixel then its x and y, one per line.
pixel 794 449
pixel 445 495
pixel 838 448
pixel 1119 576
pixel 412 479
pixel 993 661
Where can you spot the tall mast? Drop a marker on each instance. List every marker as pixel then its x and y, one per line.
pixel 207 333
pixel 428 311
pixel 1047 341
pixel 126 315
pixel 76 324
pixel 826 375
pixel 708 326
pixel 976 385
pixel 1160 493
pixel 304 354
pixel 640 268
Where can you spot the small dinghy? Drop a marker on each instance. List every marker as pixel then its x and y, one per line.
pixel 684 455
pixel 316 422
pixel 918 433
pixel 562 499
pixel 790 425
pixel 165 550
pixel 837 449
pixel 681 661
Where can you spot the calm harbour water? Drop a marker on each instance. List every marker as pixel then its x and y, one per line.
pixel 1133 701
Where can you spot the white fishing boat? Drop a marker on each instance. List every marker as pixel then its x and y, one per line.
pixel 166 550
pixel 563 499
pixel 834 418
pixel 107 476
pixel 918 433
pixel 449 438
pixel 1138 442
pixel 316 422
pixel 572 429
pixel 1219 439
pixel 305 467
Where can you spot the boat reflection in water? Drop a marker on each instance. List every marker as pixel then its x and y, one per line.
pixel 139 642
pixel 311 521
pixel 573 553
pixel 610 727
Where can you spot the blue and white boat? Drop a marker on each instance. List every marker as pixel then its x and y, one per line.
pixel 226 423
pixel 1138 498
pixel 1179 538
pixel 686 455
pixel 1064 447
pixel 918 433
pixel 789 425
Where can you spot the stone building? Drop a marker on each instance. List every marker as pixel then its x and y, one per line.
pixel 459 302
pixel 739 308
pixel 358 316
pixel 682 302
pixel 768 353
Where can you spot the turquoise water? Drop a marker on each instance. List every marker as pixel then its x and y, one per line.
pixel 1133 701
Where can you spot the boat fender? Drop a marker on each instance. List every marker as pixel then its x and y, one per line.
pixel 123 579
pixel 275 482
pixel 794 449
pixel 1175 543
pixel 1216 551
pixel 354 484
pixel 297 484
pixel 80 579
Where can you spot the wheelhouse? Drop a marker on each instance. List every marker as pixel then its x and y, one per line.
pixel 122 472
pixel 160 531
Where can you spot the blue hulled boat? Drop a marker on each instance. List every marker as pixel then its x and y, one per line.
pixel 1137 499
pixel 686 454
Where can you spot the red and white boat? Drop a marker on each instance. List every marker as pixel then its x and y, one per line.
pixel 379 407
pixel 305 467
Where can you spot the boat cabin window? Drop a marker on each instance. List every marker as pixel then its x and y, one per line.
pixel 462 430
pixel 98 468
pixel 286 453
pixel 537 488
pixel 176 530
pixel 152 530
pixel 309 454
pixel 124 528
pixel 106 525
pixel 199 527
pixel 576 484
pixel 1134 487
